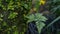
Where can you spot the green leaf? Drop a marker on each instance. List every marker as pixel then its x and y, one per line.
pixel 13 27
pixel 12 15
pixel 39 19
pixel 4 24
pixel 1 15
pixel 26 6
pixel 1 19
pixel 40 25
pixel 8 32
pixel 16 32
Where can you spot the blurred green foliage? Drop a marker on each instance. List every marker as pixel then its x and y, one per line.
pixel 54 6
pixel 12 13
